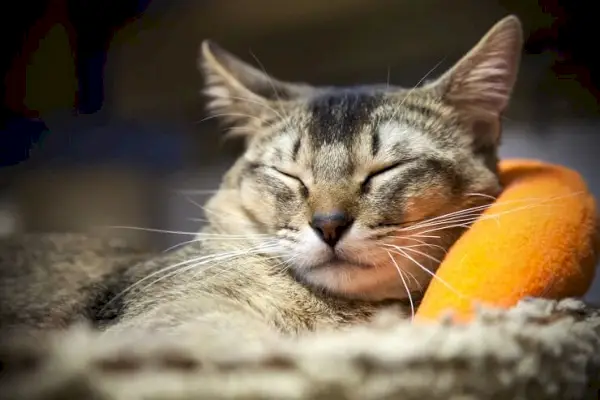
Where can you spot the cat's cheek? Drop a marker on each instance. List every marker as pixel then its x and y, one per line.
pixel 258 204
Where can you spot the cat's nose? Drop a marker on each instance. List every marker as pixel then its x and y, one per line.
pixel 330 227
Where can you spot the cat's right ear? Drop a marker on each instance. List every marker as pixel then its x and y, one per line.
pixel 241 94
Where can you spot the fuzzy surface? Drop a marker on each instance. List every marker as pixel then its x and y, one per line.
pixel 539 349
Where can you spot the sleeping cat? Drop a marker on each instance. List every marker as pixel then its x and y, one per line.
pixel 344 202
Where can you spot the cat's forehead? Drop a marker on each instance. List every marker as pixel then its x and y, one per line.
pixel 338 118
pixel 364 124
pixel 345 128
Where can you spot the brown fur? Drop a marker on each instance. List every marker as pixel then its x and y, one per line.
pixel 387 159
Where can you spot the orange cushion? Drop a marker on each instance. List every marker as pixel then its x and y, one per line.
pixel 539 238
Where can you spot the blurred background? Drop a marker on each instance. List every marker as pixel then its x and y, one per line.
pixel 101 117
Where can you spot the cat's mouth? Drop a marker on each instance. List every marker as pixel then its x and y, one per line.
pixel 340 262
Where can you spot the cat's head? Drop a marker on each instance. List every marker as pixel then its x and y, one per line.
pixel 361 190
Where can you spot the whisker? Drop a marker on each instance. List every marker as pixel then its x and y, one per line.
pixel 418 235
pixel 478 209
pixel 213 116
pixel 198 234
pixel 282 114
pixel 418 252
pixel 446 227
pixel 135 284
pixel 260 103
pixel 216 237
pixel 198 191
pixel 388 77
pixel 196 265
pixel 427 244
pixel 467 217
pixel 433 276
pixel 452 220
pixel 225 270
pixel 139 228
pixel 410 300
pixel 465 223
pixel 178 245
pixel 487 196
pixel 224 214
pixel 413 89
pixel 207 258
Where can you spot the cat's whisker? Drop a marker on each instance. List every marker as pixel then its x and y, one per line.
pixel 223 216
pixel 207 211
pixel 193 266
pixel 207 280
pixel 461 219
pixel 198 192
pixel 428 245
pixel 424 243
pixel 200 239
pixel 233 266
pixel 438 261
pixel 464 226
pixel 214 116
pixel 464 223
pixel 178 245
pixel 478 209
pixel 456 214
pixel 217 258
pixel 227 269
pixel 487 196
pixel 275 91
pixel 156 230
pixel 189 233
pixel 418 235
pixel 198 220
pixel 540 203
pixel 206 258
pixel 234 131
pixel 467 216
pixel 410 299
pixel 433 275
pixel 411 91
pixel 260 103
pixel 414 278
pixel 158 272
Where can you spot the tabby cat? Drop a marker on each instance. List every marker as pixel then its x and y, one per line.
pixel 344 201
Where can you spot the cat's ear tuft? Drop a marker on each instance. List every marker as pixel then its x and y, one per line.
pixel 237 92
pixel 482 81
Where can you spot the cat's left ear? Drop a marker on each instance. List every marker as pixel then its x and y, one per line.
pixel 481 83
pixel 241 94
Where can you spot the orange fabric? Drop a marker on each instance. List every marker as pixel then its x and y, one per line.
pixel 539 238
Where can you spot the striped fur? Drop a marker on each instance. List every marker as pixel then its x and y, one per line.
pixel 383 155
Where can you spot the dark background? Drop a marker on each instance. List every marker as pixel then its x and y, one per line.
pixel 100 121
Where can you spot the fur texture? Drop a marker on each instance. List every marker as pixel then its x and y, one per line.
pixel 341 204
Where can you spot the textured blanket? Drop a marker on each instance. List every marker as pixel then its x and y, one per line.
pixel 539 349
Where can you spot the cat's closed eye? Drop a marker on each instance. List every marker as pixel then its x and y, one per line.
pixel 366 183
pixel 288 175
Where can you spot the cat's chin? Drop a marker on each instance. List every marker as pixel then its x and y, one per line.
pixel 356 281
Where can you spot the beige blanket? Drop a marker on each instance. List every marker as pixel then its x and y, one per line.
pixel 538 350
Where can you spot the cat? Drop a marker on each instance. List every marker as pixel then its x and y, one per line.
pixel 342 204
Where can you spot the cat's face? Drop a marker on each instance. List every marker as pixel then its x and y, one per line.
pixel 360 191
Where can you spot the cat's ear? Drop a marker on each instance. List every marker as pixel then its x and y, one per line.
pixel 240 93
pixel 482 81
